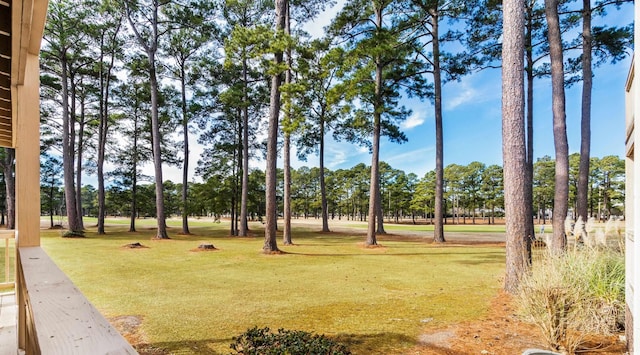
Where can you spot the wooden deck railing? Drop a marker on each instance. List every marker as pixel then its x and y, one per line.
pixel 54 316
pixel 7 237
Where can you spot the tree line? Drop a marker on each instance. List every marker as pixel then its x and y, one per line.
pixel 126 82
pixel 473 193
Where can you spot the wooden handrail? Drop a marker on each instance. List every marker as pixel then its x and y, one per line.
pixel 59 319
pixel 7 235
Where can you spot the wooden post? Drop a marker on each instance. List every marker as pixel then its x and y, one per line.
pixel 28 156
pixel 27 144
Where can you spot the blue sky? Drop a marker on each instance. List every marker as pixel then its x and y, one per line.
pixel 472 120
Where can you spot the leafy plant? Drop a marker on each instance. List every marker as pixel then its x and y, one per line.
pixel 261 341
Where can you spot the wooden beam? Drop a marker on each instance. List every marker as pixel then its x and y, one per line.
pixel 62 319
pixel 5 105
pixel 5 81
pixel 5 94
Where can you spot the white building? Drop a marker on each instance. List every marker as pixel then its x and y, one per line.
pixel 632 202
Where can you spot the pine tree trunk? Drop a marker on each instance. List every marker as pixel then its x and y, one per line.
pixel 134 178
pixel 79 153
pixel 438 228
pixel 585 123
pixel 68 151
pixel 103 128
pixel 514 144
pixel 374 181
pixel 375 177
pixel 270 238
pixel 244 199
pixel 323 189
pixel 286 157
pixel 185 165
pixel 529 72
pixel 157 151
pixel 561 196
pixel 102 141
pixel 379 213
pixel 286 154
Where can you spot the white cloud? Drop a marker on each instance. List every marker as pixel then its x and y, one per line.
pixel 464 93
pixel 316 27
pixel 473 89
pixel 416 119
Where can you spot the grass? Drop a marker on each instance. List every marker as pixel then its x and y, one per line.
pixel 377 301
pixel 460 228
pixel 573 295
pixel 469 228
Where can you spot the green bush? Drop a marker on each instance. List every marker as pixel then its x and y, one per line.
pixel 261 341
pixel 574 294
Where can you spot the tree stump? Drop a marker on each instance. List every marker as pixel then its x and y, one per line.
pixel 206 247
pixel 134 245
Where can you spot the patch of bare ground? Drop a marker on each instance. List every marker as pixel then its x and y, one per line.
pixel 129 326
pixel 500 333
pixel 135 245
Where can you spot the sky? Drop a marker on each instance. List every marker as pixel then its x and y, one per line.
pixel 472 120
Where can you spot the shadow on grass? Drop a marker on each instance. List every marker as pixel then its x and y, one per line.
pixel 485 258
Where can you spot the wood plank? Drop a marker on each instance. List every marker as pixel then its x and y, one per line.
pixel 5 19
pixel 5 48
pixel 8 314
pixel 5 135
pixel 65 322
pixel 5 94
pixel 5 105
pixel 6 143
pixel 5 66
pixel 5 81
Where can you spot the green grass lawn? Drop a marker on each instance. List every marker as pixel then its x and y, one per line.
pixel 377 301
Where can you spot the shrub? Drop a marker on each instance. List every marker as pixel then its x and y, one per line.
pixel 571 295
pixel 261 341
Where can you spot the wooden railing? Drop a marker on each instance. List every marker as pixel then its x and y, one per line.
pixel 54 317
pixel 9 264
